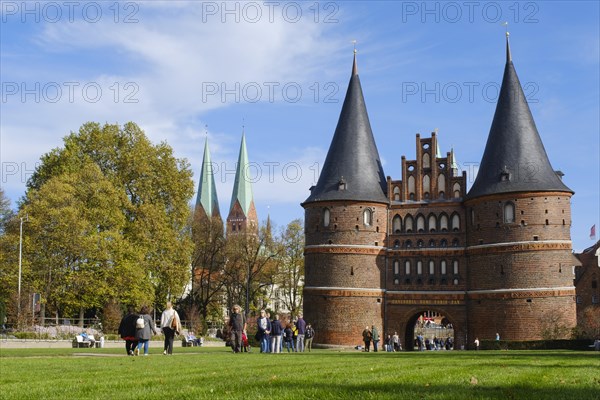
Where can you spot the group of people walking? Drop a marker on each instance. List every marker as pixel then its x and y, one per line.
pixel 272 335
pixel 371 335
pixel 137 329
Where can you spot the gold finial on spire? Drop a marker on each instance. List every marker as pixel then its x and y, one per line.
pixel 354 43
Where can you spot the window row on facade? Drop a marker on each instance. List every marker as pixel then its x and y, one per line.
pixel 420 267
pixel 420 224
pixel 367 217
pixel 427 189
pixel 420 243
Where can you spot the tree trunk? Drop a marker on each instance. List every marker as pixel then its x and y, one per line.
pixel 81 311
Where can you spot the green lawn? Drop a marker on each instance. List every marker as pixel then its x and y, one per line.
pixel 194 373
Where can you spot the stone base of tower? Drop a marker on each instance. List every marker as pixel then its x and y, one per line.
pixel 340 316
pixel 522 316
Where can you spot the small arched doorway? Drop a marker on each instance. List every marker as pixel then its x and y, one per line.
pixel 429 330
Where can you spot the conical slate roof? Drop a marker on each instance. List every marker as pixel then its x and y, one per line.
pixel 242 187
pixel 352 168
pixel 207 191
pixel 514 159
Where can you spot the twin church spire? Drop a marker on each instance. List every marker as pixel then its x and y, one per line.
pixel 242 212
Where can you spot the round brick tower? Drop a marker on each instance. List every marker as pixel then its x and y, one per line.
pixel 345 227
pixel 518 235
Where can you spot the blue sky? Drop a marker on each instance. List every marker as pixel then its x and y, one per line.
pixel 182 70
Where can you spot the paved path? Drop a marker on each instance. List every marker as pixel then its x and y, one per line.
pixel 63 344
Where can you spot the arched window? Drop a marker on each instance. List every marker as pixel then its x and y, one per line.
pixel 432 243
pixel 396 267
pixel 420 243
pixel 420 223
pixel 444 223
pixel 411 187
pixel 397 224
pixel 443 267
pixel 326 217
pixel 419 267
pixel 455 242
pixel 431 267
pixel 443 243
pixel 426 160
pixel 407 267
pixel 408 224
pixel 456 190
pixel 455 223
pixel 455 267
pixel 426 185
pixel 396 193
pixel 367 217
pixel 432 223
pixel 509 212
pixel 441 183
pixel 408 244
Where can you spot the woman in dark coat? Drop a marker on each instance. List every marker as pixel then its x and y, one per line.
pixel 127 331
pixel 144 334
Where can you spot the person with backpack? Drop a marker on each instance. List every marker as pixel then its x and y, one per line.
pixel 144 327
pixel 308 337
pixel 171 326
pixel 288 336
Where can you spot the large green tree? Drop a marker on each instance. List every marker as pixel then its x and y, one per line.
pixel 208 263
pixel 150 194
pixel 290 268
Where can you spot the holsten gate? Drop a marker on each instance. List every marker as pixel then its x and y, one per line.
pixel 495 259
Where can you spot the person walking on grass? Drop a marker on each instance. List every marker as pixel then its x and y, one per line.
pixel 375 337
pixel 301 325
pixel 276 330
pixel 127 331
pixel 144 329
pixel 367 339
pixel 263 325
pixel 237 327
pixel 171 326
pixel 308 337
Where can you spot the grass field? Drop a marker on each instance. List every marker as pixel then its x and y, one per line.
pixel 194 373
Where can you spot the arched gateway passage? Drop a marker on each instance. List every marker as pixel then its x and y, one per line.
pixel 429 330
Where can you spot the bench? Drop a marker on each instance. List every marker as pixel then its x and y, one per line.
pixel 79 341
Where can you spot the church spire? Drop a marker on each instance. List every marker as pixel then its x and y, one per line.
pixel 242 213
pixel 206 199
pixel 514 159
pixel 352 168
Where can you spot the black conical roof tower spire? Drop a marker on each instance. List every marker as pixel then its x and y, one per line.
pixel 352 169
pixel 514 159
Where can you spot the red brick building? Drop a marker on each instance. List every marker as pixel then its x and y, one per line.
pixel 495 259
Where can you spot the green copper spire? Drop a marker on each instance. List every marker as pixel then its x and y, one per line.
pixel 242 189
pixel 207 191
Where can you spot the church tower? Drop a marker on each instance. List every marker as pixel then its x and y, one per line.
pixel 242 213
pixel 207 203
pixel 518 233
pixel 345 227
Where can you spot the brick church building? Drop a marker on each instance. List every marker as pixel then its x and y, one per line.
pixel 382 251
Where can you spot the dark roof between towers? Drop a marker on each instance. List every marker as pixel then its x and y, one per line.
pixel 352 168
pixel 514 159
